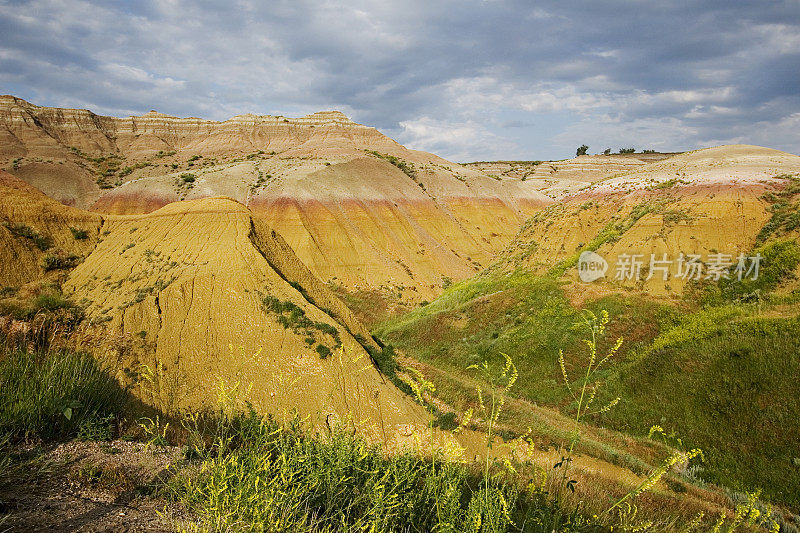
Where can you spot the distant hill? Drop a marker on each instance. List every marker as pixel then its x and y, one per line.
pixel 362 211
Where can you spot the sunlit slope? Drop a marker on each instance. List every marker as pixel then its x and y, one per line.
pixel 359 209
pixel 188 282
pixel 707 360
pixel 36 231
pixel 703 203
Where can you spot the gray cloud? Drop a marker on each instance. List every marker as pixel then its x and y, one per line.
pixel 449 77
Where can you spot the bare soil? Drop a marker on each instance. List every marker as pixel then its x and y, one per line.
pixel 90 487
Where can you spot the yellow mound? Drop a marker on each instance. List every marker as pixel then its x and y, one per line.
pixel 187 283
pixel 33 227
pixel 702 203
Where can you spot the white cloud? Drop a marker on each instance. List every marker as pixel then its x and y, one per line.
pixel 464 141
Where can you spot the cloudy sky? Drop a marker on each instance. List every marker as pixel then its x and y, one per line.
pixel 468 80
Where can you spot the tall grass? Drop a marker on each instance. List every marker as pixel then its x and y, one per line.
pixel 55 394
pixel 258 475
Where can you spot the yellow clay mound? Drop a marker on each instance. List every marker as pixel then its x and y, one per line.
pixel 33 227
pixel 703 202
pixel 181 292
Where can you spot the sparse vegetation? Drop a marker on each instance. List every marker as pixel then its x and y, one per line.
pixel 59 261
pixel 293 317
pixel 43 242
pixel 784 207
pixel 408 169
pixel 79 234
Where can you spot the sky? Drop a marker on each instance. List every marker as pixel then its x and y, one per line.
pixel 468 79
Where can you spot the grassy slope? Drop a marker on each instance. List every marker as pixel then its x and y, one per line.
pixel 731 391
pixel 721 376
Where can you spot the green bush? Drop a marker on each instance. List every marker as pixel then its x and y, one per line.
pixel 59 262
pixel 446 421
pixel 323 351
pixel 79 234
pixel 56 395
pixel 50 302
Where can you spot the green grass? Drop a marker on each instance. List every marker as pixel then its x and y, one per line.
pixel 725 382
pixel 520 314
pixel 56 395
pixel 723 376
pixel 780 259
pixel 785 210
pixel 261 476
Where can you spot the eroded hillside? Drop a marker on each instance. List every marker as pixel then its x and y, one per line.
pixel 699 203
pixel 364 213
pixel 198 295
pixel 704 355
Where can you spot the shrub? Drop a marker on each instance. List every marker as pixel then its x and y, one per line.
pixel 582 150
pixel 627 150
pixel 58 262
pixel 79 234
pixel 186 177
pixel 446 421
pixel 323 351
pixel 50 302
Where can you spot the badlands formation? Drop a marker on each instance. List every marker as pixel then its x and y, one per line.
pixel 208 251
pixel 701 203
pixel 361 211
pixel 202 294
